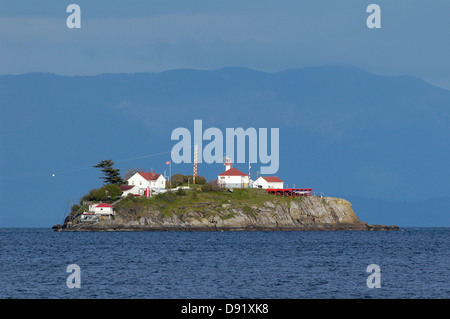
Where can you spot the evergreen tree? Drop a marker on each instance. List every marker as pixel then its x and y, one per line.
pixel 112 175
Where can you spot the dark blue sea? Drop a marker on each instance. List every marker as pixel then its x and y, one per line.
pixel 413 263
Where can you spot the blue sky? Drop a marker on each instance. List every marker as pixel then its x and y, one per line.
pixel 267 35
pixel 152 36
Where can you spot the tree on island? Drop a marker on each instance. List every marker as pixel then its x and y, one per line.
pixel 112 175
pixel 108 192
pixel 179 179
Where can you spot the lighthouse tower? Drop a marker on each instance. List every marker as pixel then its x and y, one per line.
pixel 227 163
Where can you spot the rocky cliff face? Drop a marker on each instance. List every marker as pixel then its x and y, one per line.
pixel 307 213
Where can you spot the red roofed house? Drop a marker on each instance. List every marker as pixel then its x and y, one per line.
pixel 154 181
pixel 101 209
pixel 232 177
pixel 269 182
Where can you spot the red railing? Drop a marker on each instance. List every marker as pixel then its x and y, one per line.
pixel 291 192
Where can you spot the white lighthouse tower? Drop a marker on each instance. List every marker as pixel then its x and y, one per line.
pixel 227 163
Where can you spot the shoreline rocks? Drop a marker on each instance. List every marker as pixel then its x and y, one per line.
pixel 306 214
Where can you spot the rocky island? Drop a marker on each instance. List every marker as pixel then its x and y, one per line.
pixel 240 210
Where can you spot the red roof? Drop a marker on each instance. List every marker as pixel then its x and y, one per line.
pixel 233 172
pixel 150 176
pixel 126 187
pixel 272 179
pixel 104 205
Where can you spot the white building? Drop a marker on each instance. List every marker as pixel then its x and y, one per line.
pixel 130 189
pixel 232 177
pixel 268 182
pixel 101 209
pixel 155 182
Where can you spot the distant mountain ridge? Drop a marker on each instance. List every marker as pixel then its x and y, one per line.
pixel 342 130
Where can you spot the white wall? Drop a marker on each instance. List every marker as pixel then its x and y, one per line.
pixel 100 210
pixel 233 181
pixel 138 180
pixel 104 210
pixel 135 191
pixel 264 184
pixel 160 182
pixel 141 182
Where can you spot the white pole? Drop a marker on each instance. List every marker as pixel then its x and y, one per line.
pixel 257 184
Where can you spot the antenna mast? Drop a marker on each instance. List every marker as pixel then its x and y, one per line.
pixel 195 163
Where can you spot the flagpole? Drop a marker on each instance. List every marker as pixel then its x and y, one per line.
pixel 249 174
pixel 170 169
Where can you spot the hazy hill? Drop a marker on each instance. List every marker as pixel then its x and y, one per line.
pixel 342 131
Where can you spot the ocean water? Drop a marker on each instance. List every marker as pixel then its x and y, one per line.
pixel 413 263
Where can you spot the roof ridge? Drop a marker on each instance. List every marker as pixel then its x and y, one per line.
pixel 233 172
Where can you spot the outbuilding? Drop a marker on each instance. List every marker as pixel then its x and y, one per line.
pixel 130 189
pixel 101 209
pixel 268 182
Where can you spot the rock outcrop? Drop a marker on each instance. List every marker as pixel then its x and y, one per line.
pixel 301 214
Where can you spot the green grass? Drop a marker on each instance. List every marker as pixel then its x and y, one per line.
pixel 179 203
